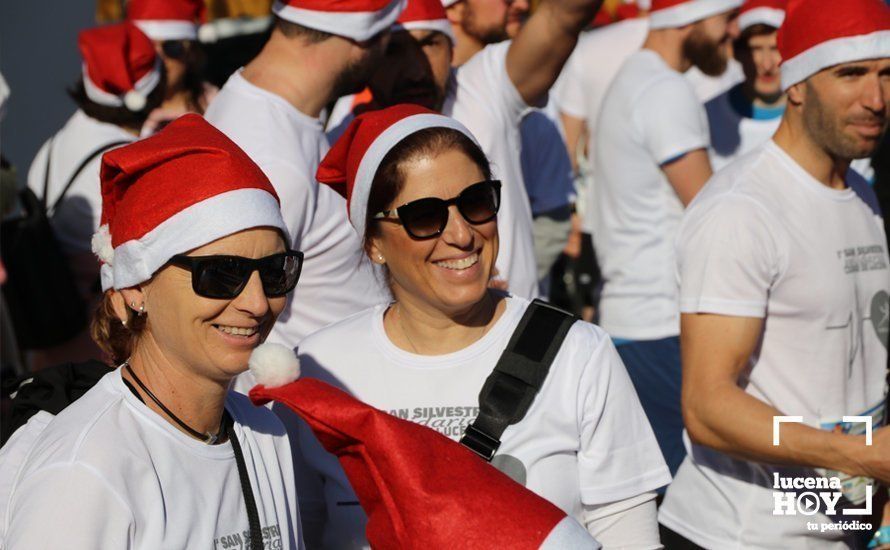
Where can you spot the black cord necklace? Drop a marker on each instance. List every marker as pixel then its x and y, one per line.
pixel 207 437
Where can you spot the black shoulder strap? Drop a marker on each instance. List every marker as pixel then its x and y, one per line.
pixel 49 155
pixel 518 376
pixel 76 173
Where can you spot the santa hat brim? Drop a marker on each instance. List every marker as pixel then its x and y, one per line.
pixel 834 52
pixel 689 12
pixel 137 260
pixel 439 25
pixel 143 87
pixel 357 25
pixel 168 29
pixel 761 16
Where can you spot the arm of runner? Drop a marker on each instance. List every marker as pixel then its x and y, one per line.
pixel 629 524
pixel 538 53
pixel 573 128
pixel 721 415
pixel 688 174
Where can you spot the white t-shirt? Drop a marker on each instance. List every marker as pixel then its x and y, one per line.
pixel 708 87
pixel 108 472
pixel 484 99
pixel 337 279
pixel 585 438
pixel 765 239
pixel 77 218
pixel 737 126
pixel 589 72
pixel 650 116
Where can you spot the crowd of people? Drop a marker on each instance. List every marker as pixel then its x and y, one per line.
pixel 400 199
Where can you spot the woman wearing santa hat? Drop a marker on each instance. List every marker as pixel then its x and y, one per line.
pixel 174 28
pixel 160 454
pixel 420 195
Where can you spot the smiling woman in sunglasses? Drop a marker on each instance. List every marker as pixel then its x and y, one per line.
pixel 159 453
pixel 421 195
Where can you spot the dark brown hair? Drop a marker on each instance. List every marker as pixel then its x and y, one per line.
pixel 760 29
pixel 389 179
pixel 119 116
pixel 293 30
pixel 112 337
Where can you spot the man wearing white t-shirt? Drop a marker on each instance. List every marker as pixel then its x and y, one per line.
pixel 784 282
pixel 651 151
pixel 271 109
pixel 489 93
pixel 748 114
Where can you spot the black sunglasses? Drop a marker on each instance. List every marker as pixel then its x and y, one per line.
pixel 226 276
pixel 175 49
pixel 426 218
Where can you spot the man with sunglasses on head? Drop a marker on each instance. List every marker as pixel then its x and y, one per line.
pixel 173 27
pixel 316 53
pixel 784 282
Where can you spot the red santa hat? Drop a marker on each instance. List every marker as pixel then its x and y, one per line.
pixel 167 19
pixel 418 488
pixel 351 164
pixel 427 15
pixel 120 66
pixel 356 19
pixel 667 14
pixel 818 34
pixel 184 187
pixel 762 12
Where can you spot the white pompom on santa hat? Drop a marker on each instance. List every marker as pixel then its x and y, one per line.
pixel 818 34
pixel 762 12
pixel 666 14
pixel 351 164
pixel 120 66
pixel 167 19
pixel 426 15
pixel 359 20
pixel 418 488
pixel 184 187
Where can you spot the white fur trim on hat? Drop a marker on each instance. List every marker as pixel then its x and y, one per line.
pixel 358 25
pixel 834 52
pixel 761 16
pixel 440 25
pixel 144 86
pixel 689 12
pixel 220 29
pixel 568 533
pixel 136 261
pixel 171 29
pixel 274 365
pixel 101 245
pixel 383 144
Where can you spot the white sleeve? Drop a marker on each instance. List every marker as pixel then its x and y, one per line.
pixel 568 92
pixel 727 257
pixel 618 456
pixel 297 194
pixel 629 524
pixel 68 506
pixel 670 120
pixel 485 78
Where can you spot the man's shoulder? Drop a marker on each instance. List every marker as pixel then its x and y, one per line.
pixel 747 183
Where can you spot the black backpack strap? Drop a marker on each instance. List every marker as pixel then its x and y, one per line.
pixel 518 376
pixel 49 154
pixel 76 173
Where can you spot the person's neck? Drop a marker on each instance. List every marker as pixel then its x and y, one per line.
pixel 761 101
pixel 302 74
pixel 424 330
pixel 827 169
pixel 466 46
pixel 177 100
pixel 668 44
pixel 194 399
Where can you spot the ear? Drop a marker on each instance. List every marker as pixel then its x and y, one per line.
pixel 455 12
pixel 375 251
pixel 797 93
pixel 127 298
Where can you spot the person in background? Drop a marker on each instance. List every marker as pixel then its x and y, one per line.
pixel 317 52
pixel 784 281
pixel 651 161
pixel 747 115
pixel 421 196
pixel 160 453
pixel 172 26
pixel 122 82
